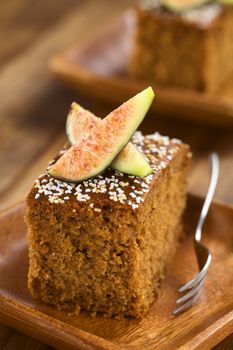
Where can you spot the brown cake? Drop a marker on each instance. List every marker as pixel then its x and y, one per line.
pixel 102 245
pixel 191 50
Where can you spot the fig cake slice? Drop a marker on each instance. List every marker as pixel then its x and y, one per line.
pixel 81 122
pixel 91 155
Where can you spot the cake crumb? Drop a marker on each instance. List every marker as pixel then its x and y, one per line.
pixel 84 260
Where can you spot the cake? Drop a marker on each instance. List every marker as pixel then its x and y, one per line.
pixel 102 245
pixel 190 49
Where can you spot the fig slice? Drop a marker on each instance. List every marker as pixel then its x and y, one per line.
pixel 182 5
pixel 95 152
pixel 81 122
pixel 131 161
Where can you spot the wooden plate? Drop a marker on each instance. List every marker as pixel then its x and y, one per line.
pixel 201 327
pixel 98 68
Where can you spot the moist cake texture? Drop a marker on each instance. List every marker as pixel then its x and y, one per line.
pixel 191 50
pixel 102 245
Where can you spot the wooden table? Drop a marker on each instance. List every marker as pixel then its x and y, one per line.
pixel 33 107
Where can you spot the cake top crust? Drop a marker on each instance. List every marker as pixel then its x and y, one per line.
pixel 118 188
pixel 202 16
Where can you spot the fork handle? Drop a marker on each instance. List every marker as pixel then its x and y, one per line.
pixel 214 159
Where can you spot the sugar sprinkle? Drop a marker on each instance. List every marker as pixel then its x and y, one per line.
pixel 159 151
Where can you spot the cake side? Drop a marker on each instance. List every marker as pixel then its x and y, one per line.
pixel 102 245
pixel 219 52
pixel 183 50
pixel 160 224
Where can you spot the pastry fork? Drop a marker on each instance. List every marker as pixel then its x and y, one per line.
pixel 192 289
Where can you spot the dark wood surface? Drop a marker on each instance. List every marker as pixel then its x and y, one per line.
pixel 33 107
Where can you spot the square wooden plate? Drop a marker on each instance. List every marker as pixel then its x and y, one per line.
pixel 98 68
pixel 201 327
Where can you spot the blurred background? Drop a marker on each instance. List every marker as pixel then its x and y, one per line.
pixel 34 105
